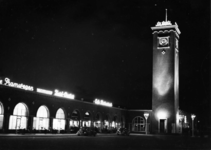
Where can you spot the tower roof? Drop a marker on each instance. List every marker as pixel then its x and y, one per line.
pixel 166 25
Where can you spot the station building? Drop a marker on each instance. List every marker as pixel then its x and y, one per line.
pixel 25 107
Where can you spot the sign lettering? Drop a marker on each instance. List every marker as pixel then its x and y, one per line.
pixel 64 94
pixel 102 102
pixel 44 91
pixel 17 85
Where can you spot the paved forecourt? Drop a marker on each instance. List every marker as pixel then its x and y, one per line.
pixel 101 141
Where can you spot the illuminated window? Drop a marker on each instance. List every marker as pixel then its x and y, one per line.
pixel 185 119
pixel 41 121
pixel 19 118
pixel 75 118
pixel 74 123
pixel 97 122
pixel 86 123
pixel 59 122
pixel 87 114
pixel 106 122
pixel 138 124
pixel 1 121
pixel 60 114
pixel 42 112
pixel 87 120
pixel 114 122
pixel 20 110
pixel 1 109
pixel 1 115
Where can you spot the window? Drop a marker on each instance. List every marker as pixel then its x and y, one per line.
pixel 1 109
pixel 87 120
pixel 1 115
pixel 75 119
pixel 114 123
pixel 106 121
pixel 59 121
pixel 138 124
pixel 19 118
pixel 86 123
pixel 1 121
pixel 74 123
pixel 42 112
pixel 20 110
pixel 60 114
pixel 41 121
pixel 97 122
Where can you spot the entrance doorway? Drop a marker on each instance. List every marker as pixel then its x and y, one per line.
pixel 162 125
pixel 18 123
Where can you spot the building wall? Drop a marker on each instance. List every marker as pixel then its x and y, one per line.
pixel 10 97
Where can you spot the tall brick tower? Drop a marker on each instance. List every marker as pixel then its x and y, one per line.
pixel 165 84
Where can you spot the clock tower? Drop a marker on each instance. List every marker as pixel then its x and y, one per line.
pixel 165 80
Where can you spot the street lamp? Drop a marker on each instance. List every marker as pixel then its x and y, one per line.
pixel 181 117
pixel 192 117
pixel 146 115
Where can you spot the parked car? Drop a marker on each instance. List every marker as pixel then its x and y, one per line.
pixel 86 131
pixel 123 131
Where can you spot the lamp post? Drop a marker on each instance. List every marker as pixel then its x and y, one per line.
pixel 181 117
pixel 192 117
pixel 146 115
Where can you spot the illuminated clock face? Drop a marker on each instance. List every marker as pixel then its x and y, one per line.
pixel 163 41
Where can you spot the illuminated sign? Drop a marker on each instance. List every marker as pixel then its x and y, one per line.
pixel 58 93
pixel 17 85
pixel 44 91
pixel 102 102
pixel 64 94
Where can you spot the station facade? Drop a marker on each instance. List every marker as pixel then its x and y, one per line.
pixel 24 108
pixel 38 110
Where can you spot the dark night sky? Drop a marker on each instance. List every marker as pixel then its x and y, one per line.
pixel 103 49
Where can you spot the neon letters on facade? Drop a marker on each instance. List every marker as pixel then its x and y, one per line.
pixel 102 102
pixel 17 85
pixel 44 91
pixel 64 94
pixel 58 93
